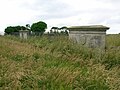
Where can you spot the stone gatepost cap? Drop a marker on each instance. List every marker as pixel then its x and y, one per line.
pixel 23 31
pixel 91 27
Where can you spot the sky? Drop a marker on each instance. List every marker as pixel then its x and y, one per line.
pixel 58 13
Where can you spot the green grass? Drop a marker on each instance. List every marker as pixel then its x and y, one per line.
pixel 55 63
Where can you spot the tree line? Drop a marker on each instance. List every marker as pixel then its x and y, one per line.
pixel 37 28
pixel 61 30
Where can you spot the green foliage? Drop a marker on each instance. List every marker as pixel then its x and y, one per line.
pixel 13 29
pixel 9 30
pixel 39 27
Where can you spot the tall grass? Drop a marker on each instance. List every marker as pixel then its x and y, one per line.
pixel 55 63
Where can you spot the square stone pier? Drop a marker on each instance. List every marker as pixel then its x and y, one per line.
pixel 91 36
pixel 23 34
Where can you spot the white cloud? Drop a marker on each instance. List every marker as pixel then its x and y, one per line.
pixel 60 13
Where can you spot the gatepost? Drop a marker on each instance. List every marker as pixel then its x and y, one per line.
pixel 23 34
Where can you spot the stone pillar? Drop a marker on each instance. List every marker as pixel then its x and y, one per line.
pixel 23 34
pixel 91 36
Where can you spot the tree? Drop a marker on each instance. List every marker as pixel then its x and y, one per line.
pixel 54 29
pixel 14 29
pixel 64 27
pixel 64 30
pixel 9 30
pixel 28 26
pixel 39 27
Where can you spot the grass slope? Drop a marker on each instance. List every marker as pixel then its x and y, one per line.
pixel 55 63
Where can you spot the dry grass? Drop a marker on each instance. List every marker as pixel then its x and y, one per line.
pixel 41 63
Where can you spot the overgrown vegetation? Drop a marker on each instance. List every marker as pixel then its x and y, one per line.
pixel 55 63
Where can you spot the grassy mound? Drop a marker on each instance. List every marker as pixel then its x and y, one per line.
pixel 55 63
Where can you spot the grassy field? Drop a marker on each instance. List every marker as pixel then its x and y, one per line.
pixel 55 63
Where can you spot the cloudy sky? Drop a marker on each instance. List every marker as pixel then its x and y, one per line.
pixel 61 13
